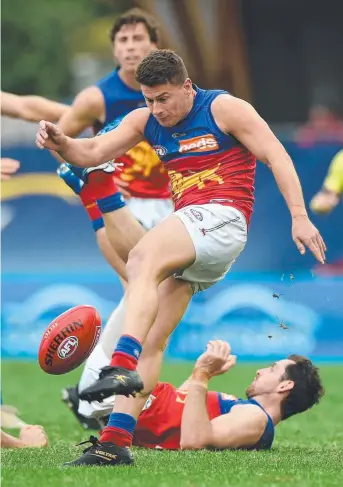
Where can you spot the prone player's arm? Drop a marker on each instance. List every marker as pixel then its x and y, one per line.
pixel 31 108
pixel 240 428
pixel 97 150
pixel 86 109
pixel 184 386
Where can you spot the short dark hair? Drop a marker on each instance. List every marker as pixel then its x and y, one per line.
pixel 136 16
pixel 160 67
pixel 307 389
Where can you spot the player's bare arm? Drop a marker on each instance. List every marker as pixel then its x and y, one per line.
pixel 98 150
pixel 184 386
pixel 87 108
pixel 242 427
pixel 196 428
pixel 30 437
pixel 31 108
pixel 240 119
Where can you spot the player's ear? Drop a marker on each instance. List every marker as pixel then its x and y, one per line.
pixel 188 86
pixel 285 386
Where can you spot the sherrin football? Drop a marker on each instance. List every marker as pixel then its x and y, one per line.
pixel 69 340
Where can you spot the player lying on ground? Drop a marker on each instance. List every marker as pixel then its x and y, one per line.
pixel 191 417
pixel 208 141
pixel 332 191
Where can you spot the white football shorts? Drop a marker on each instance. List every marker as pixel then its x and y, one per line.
pixel 219 234
pixel 150 211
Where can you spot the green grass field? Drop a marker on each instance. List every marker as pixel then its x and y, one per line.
pixel 308 450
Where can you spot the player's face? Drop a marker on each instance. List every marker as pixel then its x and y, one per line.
pixel 131 45
pixel 269 380
pixel 169 103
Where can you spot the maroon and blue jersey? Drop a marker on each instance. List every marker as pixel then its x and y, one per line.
pixel 205 165
pixel 119 98
pixel 141 168
pixel 159 425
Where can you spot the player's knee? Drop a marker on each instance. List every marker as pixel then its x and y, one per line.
pixel 139 263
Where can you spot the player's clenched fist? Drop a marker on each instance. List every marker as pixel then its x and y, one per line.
pixel 33 436
pixel 216 360
pixel 50 137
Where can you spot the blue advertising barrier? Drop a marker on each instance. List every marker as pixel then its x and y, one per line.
pixel 263 316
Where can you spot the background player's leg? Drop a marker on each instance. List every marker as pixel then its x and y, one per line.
pixel 110 254
pixel 123 231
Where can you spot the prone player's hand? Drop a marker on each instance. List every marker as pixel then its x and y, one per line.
pixel 216 360
pixel 50 137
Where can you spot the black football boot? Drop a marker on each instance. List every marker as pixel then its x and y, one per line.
pixel 113 380
pixel 102 455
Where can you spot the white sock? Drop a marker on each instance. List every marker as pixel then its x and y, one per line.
pixel 113 329
pixel 99 358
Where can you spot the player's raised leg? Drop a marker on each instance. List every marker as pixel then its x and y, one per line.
pixel 164 250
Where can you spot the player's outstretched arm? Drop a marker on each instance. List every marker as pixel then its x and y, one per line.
pixel 30 437
pixel 31 108
pixel 97 150
pixel 240 119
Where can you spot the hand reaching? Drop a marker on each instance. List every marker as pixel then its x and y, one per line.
pixel 50 137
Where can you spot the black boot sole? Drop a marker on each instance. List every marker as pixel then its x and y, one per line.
pixel 101 390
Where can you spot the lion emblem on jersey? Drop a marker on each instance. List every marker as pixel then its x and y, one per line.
pixel 140 161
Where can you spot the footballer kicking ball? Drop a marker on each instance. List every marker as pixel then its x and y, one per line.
pixel 69 340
